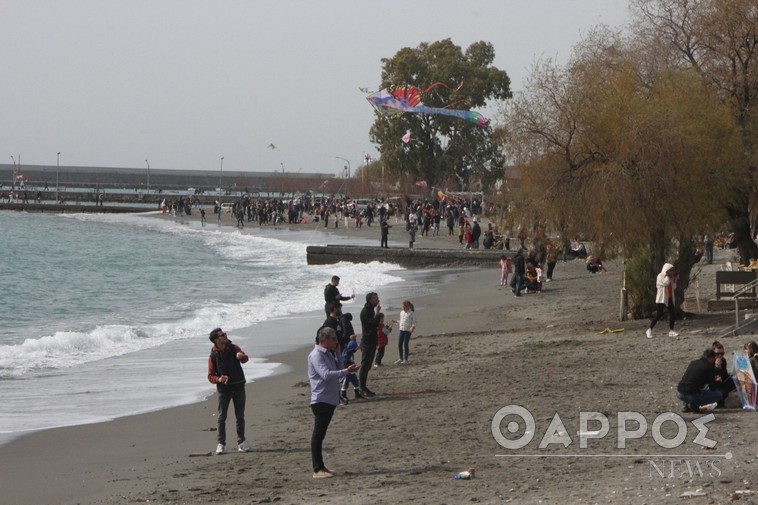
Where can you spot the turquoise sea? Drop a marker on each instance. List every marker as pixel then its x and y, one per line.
pixel 104 316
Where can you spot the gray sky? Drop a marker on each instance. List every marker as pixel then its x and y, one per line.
pixel 184 82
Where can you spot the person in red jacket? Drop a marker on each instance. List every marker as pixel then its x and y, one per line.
pixel 382 334
pixel 225 371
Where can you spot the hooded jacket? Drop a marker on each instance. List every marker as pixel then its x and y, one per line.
pixel 662 285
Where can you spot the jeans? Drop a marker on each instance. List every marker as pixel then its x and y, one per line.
pixel 404 339
pixel 322 413
pixel 516 282
pixel 695 400
pixel 367 359
pixel 236 396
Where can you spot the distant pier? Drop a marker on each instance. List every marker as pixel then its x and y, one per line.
pixel 412 258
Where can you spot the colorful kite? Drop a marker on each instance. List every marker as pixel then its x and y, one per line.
pixel 744 380
pixel 408 99
pixel 442 194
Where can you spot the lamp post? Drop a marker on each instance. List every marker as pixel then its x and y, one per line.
pixel 367 159
pixel 220 173
pixel 13 176
pixel 57 171
pixel 148 175
pixel 347 192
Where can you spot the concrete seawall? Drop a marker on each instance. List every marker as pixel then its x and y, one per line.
pixel 74 208
pixel 411 258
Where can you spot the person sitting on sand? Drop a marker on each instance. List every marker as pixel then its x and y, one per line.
pixel 533 283
pixel 594 264
pixel 691 389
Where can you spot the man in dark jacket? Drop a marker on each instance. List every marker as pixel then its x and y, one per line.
pixel 369 339
pixel 225 371
pixel 699 374
pixel 332 294
pixel 519 270
pixel 476 232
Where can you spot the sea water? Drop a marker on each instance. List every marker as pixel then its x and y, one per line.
pixel 107 315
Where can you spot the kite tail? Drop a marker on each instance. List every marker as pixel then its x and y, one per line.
pixel 438 83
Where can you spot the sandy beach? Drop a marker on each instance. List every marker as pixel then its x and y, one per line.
pixel 477 349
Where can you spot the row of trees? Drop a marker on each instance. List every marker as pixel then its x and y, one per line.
pixel 644 141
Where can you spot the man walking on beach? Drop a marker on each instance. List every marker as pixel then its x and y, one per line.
pixel 369 339
pixel 324 374
pixel 225 371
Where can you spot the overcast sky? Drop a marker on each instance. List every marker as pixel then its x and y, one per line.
pixel 183 82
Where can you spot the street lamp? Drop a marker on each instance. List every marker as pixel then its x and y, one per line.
pixel 347 192
pixel 367 159
pixel 57 170
pixel 13 176
pixel 220 173
pixel 148 175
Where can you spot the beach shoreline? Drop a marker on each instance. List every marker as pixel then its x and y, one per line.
pixel 477 350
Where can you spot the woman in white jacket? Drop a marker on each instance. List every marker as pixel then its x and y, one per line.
pixel 407 326
pixel 665 285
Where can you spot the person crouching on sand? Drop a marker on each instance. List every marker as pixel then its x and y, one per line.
pixel 225 371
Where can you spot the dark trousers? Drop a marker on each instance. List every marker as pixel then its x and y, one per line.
pixel 550 268
pixel 367 359
pixel 384 241
pixel 322 413
pixel 236 396
pixel 659 307
pixel 516 284
pixel 379 355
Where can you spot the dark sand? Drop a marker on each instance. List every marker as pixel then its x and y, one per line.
pixel 477 349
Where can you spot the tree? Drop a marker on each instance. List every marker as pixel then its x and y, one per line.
pixel 639 161
pixel 442 147
pixel 718 39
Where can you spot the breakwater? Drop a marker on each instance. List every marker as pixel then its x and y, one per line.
pixel 411 258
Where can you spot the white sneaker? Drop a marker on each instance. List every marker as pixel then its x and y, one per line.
pixel 404 362
pixel 243 447
pixel 397 362
pixel 220 449
pixel 672 333
pixel 649 333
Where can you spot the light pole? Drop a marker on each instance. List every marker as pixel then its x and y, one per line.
pixel 347 192
pixel 13 176
pixel 148 175
pixel 367 159
pixel 57 171
pixel 220 173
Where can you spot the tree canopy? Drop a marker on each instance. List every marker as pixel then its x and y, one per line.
pixel 627 149
pixel 442 148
